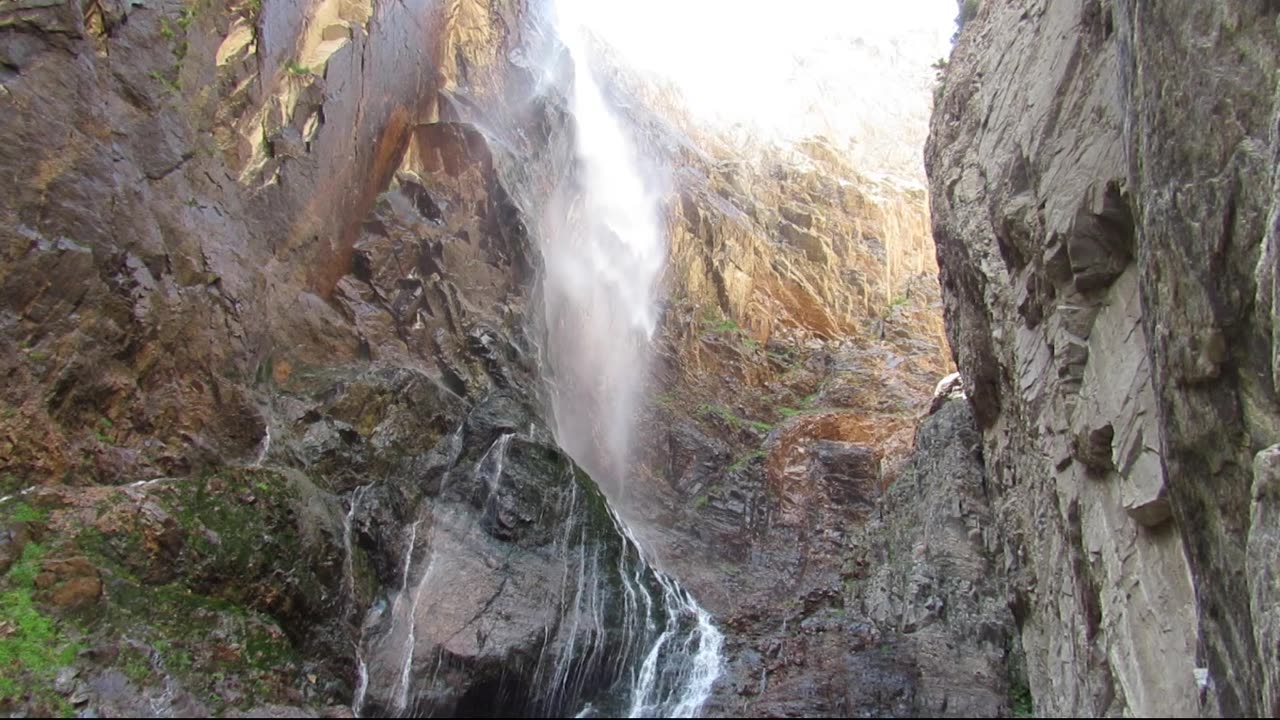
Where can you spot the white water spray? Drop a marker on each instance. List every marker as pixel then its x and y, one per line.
pixel 603 248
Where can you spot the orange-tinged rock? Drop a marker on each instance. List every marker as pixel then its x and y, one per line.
pixel 69 583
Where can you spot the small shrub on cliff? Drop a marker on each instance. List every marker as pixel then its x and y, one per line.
pixel 968 11
pixel 23 513
pixel 1020 699
pixel 745 460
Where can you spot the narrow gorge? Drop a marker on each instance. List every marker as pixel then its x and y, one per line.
pixel 436 358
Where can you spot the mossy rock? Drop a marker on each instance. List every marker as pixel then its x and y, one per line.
pixel 206 590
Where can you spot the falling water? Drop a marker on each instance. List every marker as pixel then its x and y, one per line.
pixel 621 638
pixel 488 474
pixel 603 250
pixel 362 669
pixel 409 599
pixel 264 447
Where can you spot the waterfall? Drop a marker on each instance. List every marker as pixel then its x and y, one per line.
pixel 603 249
pixel 617 637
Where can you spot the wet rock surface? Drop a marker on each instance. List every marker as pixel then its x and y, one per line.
pixel 252 282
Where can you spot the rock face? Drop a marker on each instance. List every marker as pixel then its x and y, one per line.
pixel 1102 178
pixel 799 345
pixel 268 366
pixel 918 626
pixel 272 418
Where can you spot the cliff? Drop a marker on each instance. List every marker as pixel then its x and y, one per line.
pixel 268 369
pixel 274 420
pixel 1102 181
pixel 279 428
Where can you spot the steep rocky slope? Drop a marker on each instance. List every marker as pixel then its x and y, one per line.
pixel 797 352
pixel 264 339
pixel 1102 176
pixel 271 339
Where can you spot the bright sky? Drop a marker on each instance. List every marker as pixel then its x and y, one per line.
pixel 857 71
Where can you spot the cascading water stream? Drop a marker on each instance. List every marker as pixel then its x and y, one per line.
pixel 619 638
pixel 362 669
pixel 603 250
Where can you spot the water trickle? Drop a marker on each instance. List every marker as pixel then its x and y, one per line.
pixel 489 469
pixel 362 670
pixel 264 447
pixel 404 610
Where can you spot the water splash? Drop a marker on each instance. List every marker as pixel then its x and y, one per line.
pixel 673 681
pixel 264 445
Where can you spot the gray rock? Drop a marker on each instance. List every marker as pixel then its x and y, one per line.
pixel 1102 178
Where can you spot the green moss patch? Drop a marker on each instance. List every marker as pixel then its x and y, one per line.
pixel 33 645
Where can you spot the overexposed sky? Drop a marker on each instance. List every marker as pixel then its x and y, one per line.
pixel 858 71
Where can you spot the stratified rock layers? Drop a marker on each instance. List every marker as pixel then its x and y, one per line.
pixel 1102 180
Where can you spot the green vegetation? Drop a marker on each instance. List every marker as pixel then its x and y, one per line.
pixel 969 11
pixel 745 460
pixel 201 618
pixel 136 665
pixel 173 86
pixel 296 69
pixel 716 322
pixel 727 325
pixel 728 416
pixel 723 413
pixel 666 400
pixel 9 483
pixel 22 513
pixel 33 646
pixel 701 501
pixel 218 634
pixel 1020 699
pixel 103 430
pixel 185 17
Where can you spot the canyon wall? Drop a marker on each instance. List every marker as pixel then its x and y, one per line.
pixel 265 340
pixel 1103 187
pixel 273 430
